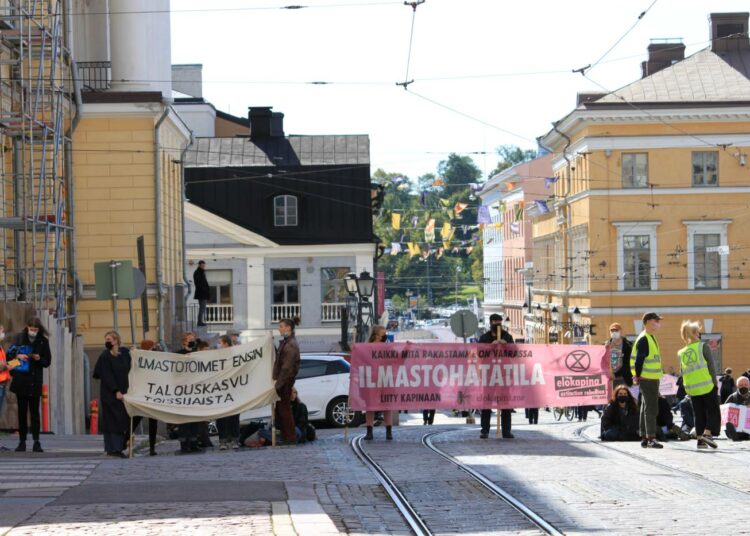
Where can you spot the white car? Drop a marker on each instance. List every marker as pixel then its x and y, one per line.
pixel 323 386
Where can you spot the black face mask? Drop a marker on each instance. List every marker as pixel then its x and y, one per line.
pixel 192 345
pixel 743 390
pixel 622 399
pixel 108 345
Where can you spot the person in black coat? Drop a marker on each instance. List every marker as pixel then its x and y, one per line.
pixel 496 335
pixel 727 385
pixel 620 417
pixel 31 351
pixel 619 352
pixel 112 369
pixel 202 291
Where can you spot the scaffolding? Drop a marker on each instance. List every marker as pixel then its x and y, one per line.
pixel 36 119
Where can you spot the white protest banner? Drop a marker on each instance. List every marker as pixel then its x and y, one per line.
pixel 668 385
pixel 738 415
pixel 177 388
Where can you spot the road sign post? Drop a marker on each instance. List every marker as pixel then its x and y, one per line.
pixel 464 323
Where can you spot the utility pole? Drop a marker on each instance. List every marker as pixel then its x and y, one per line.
pixel 429 284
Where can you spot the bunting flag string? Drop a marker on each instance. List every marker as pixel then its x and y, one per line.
pixel 460 207
pixel 396 221
pixel 519 210
pixel 483 216
pixel 549 181
pixel 429 230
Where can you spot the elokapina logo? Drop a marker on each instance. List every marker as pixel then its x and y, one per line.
pixel 578 383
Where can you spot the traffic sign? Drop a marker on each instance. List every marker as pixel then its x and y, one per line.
pixel 464 323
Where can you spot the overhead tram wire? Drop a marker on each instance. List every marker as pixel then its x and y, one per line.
pixel 414 5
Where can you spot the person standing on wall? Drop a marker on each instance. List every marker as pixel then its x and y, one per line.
pixel 496 335
pixel 699 377
pixel 202 292
pixel 112 369
pixel 645 366
pixel 285 370
pixel 31 352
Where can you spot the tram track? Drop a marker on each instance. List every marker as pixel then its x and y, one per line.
pixel 580 433
pixel 415 521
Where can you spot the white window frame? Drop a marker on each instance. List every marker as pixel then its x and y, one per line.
pixel 287 209
pixel 718 227
pixel 633 168
pixel 628 228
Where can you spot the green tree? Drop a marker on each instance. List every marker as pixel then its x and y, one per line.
pixel 510 155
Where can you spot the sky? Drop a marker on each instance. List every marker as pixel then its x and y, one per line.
pixel 486 72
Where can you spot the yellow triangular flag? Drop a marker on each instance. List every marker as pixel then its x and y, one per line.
pixel 396 221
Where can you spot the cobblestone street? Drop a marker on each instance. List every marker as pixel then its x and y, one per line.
pixel 559 470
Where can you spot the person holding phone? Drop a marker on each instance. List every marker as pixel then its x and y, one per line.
pixel 30 355
pixel 496 335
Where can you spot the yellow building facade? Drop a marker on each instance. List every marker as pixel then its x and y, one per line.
pixel 650 211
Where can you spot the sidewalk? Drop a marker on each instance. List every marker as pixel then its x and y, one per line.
pixel 55 446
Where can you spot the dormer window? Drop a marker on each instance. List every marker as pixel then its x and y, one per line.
pixel 285 211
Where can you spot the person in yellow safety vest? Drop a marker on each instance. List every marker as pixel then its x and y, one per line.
pixel 645 365
pixel 699 378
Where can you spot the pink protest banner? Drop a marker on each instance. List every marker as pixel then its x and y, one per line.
pixel 472 376
pixel 738 415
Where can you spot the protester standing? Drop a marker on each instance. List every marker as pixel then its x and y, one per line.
pixel 619 355
pixel 31 350
pixel 378 334
pixel 496 335
pixel 153 424
pixel 727 385
pixel 4 369
pixel 112 369
pixel 189 432
pixel 646 368
pixel 699 376
pixel 228 427
pixel 740 397
pixel 285 370
pixel 202 291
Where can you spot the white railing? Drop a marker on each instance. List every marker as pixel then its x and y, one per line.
pixel 219 313
pixel 284 310
pixel 331 312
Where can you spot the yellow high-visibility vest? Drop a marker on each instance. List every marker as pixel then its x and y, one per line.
pixel 696 377
pixel 652 364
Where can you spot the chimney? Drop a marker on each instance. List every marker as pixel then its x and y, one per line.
pixel 729 32
pixel 265 124
pixel 661 55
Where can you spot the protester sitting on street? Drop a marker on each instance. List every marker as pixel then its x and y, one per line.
pixel 620 417
pixel 301 424
pixel 699 376
pixel 228 427
pixel 685 407
pixel 378 334
pixel 666 429
pixel 727 385
pixel 28 357
pixel 619 355
pixel 740 397
pixel 496 335
pixel 285 370
pixel 112 370
pixel 746 374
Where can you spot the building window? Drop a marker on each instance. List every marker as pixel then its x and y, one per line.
pixel 708 254
pixel 332 284
pixel 635 170
pixel 285 211
pixel 219 286
pixel 705 168
pixel 285 286
pixel 637 255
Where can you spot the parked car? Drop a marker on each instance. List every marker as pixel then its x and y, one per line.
pixel 323 385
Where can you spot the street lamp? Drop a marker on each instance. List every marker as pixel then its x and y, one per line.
pixel 555 314
pixel 365 284
pixel 350 280
pixel 576 316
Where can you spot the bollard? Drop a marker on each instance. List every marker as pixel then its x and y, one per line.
pixel 45 409
pixel 94 419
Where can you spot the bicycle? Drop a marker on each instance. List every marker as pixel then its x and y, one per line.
pixel 558 412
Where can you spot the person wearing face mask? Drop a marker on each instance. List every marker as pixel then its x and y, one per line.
pixel 646 368
pixel 619 355
pixel 189 432
pixel 378 334
pixel 740 397
pixel 31 350
pixel 112 370
pixel 727 385
pixel 285 370
pixel 620 417
pixel 496 335
pixel 228 427
pixel 699 377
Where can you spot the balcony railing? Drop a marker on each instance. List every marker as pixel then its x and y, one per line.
pixel 331 312
pixel 217 313
pixel 95 75
pixel 280 311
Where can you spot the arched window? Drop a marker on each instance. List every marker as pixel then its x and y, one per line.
pixel 285 211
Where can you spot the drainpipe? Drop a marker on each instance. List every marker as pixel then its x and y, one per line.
pixel 157 205
pixel 182 212
pixel 568 220
pixel 73 320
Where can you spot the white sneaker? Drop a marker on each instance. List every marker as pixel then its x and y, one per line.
pixel 223 445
